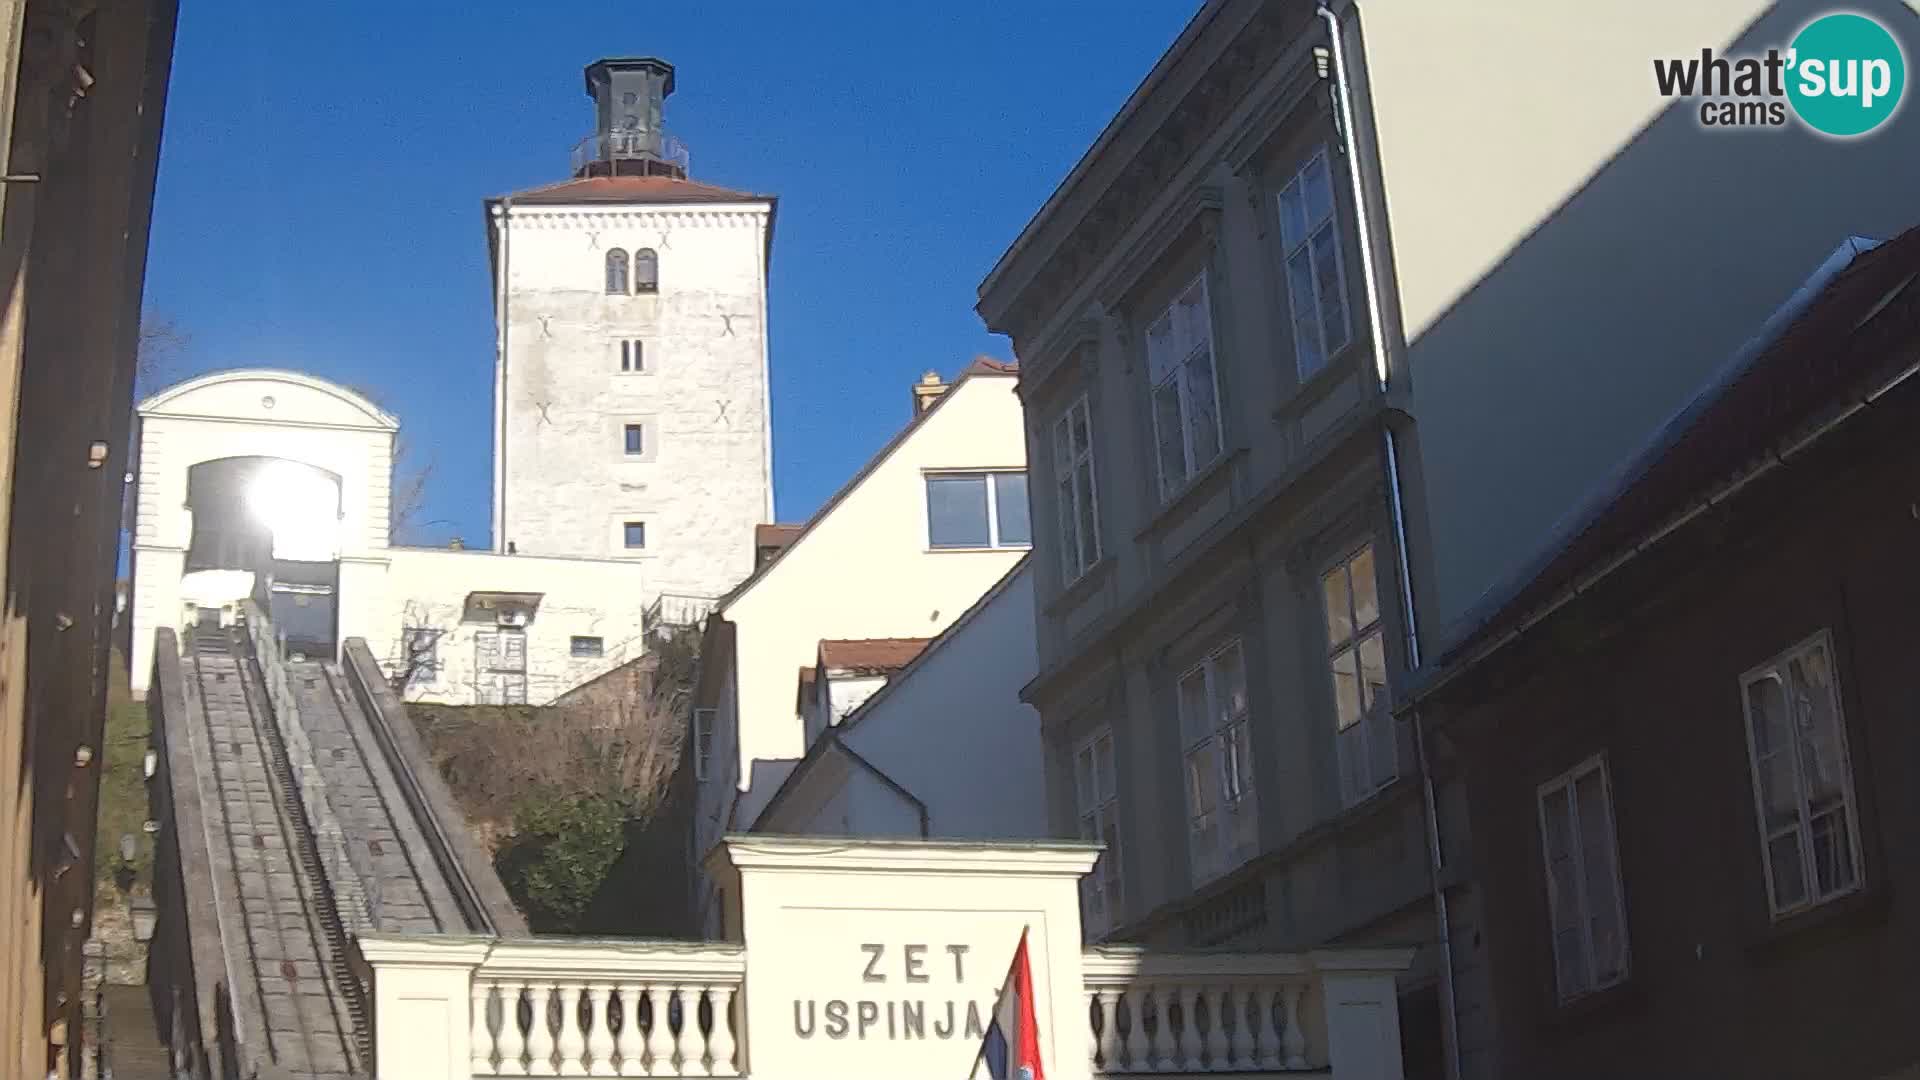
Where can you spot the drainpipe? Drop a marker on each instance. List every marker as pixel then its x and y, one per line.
pixel 502 214
pixel 1376 324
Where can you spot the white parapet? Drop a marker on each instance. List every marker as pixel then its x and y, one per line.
pixel 881 960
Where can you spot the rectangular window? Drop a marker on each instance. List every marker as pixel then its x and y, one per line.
pixel 1802 778
pixel 420 654
pixel 1357 656
pixel 978 510
pixel 1585 900
pixel 632 356
pixel 636 439
pixel 1316 284
pixel 1219 764
pixel 702 743
pixel 588 646
pixel 1186 394
pixel 633 535
pixel 500 666
pixel 1073 483
pixel 1097 799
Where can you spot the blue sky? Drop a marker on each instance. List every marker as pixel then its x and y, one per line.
pixel 320 190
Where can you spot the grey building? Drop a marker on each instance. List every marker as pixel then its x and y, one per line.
pixel 1343 311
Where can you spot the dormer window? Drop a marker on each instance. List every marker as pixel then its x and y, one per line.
pixel 646 271
pixel 616 273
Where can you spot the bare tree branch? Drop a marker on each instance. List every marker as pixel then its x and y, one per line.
pixel 408 496
pixel 162 344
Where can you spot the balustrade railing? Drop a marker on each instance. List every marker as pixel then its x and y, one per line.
pixel 590 1008
pixel 1195 1013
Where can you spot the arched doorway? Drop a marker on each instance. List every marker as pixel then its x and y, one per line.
pixel 269 528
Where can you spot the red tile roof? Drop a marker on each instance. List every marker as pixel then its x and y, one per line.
pixel 1837 346
pixel 775 536
pixel 630 189
pixel 875 656
pixel 987 365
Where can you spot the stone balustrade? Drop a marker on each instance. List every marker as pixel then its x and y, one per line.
pixel 1197 1012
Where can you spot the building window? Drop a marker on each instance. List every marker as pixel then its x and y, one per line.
pixel 633 535
pixel 420 654
pixel 702 743
pixel 1584 897
pixel 636 439
pixel 1186 399
pixel 1073 482
pixel 588 647
pixel 1316 285
pixel 646 271
pixel 1219 764
pixel 500 666
pixel 978 510
pixel 1802 778
pixel 616 273
pixel 633 356
pixel 1357 656
pixel 1097 798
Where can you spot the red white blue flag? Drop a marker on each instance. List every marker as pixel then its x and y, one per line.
pixel 1012 1047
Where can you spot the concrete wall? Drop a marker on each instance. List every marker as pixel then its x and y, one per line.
pixel 247 413
pixel 705 479
pixel 427 588
pixel 1573 254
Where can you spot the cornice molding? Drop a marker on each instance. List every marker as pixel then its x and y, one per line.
pixel 1200 209
pixel 575 218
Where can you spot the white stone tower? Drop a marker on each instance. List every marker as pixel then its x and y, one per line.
pixel 630 392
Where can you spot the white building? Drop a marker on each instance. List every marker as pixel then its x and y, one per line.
pixel 631 383
pixel 941 747
pixel 909 544
pixel 274 485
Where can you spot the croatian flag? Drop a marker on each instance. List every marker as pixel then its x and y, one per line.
pixel 1012 1048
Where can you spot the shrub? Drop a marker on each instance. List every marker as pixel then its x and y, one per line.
pixel 561 850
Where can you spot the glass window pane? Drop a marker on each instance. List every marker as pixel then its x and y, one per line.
pixel 1230 678
pixel 1339 607
pixel 634 534
pixel 1597 859
pixel 1089 533
pixel 1373 670
pixel 1062 450
pixel 1772 753
pixel 1346 689
pixel 1293 215
pixel 1070 565
pixel 1010 508
pixel 1077 418
pixel 1171 433
pixel 957 511
pixel 1366 589
pixel 1308 355
pixel 1203 411
pixel 1203 780
pixel 1193 707
pixel 1330 289
pixel 1084 792
pixel 1832 851
pixel 1783 858
pixel 1237 768
pixel 1196 322
pixel 1317 181
pixel 1161 355
pixel 1103 768
pixel 636 439
pixel 1823 765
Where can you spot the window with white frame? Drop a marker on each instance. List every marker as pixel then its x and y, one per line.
pixel 978 510
pixel 1316 283
pixel 1585 902
pixel 1802 778
pixel 1186 397
pixel 703 743
pixel 1096 796
pixel 1221 826
pixel 1079 508
pixel 633 356
pixel 1357 658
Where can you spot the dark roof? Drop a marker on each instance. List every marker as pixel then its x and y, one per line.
pixel 870 656
pixel 1805 359
pixel 630 189
pixel 981 366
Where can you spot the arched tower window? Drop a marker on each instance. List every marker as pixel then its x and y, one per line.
pixel 646 271
pixel 616 272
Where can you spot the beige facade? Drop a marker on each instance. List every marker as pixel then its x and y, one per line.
pixel 866 566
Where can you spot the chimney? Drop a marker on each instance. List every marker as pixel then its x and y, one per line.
pixel 456 544
pixel 628 138
pixel 927 391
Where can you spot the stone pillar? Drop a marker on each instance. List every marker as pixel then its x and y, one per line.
pixel 1361 1010
pixel 422 1004
pixel 857 950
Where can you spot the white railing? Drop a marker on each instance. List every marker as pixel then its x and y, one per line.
pixel 607 1008
pixel 624 145
pixel 673 610
pixel 1196 1012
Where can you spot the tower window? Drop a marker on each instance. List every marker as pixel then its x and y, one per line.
pixel 616 273
pixel 634 535
pixel 636 436
pixel 632 356
pixel 646 271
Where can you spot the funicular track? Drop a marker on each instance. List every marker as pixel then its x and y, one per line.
pixel 313 1009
